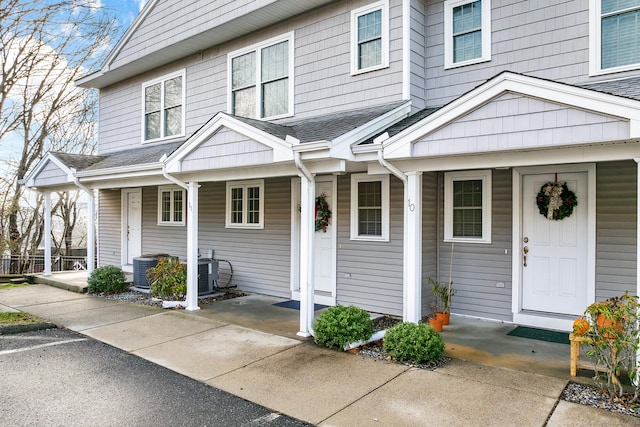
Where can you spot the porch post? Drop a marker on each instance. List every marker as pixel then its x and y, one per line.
pixel 47 234
pixel 412 307
pixel 91 232
pixel 307 230
pixel 192 246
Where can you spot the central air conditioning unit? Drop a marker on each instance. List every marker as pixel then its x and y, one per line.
pixel 140 266
pixel 207 275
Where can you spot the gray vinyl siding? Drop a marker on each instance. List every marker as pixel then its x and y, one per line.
pixel 51 174
pixel 375 267
pixel 322 79
pixel 478 267
pixel 546 38
pixel 418 64
pixel 430 198
pixel 169 239
pixel 260 258
pixel 109 228
pixel 616 227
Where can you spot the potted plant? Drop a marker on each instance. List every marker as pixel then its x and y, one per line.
pixel 442 293
pixel 434 321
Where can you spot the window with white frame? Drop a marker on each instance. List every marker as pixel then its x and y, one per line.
pixel 171 206
pixel 615 35
pixel 467 206
pixel 370 38
pixel 245 204
pixel 467 32
pixel 370 207
pixel 261 79
pixel 163 100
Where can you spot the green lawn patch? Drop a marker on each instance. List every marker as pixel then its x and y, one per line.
pixel 18 318
pixel 12 285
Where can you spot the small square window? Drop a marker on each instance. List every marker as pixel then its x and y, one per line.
pixel 370 38
pixel 171 206
pixel 163 101
pixel 467 206
pixel 467 32
pixel 245 204
pixel 370 207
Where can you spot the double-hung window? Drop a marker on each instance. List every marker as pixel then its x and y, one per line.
pixel 245 204
pixel 261 79
pixel 171 206
pixel 163 101
pixel 370 207
pixel 370 38
pixel 615 35
pixel 467 206
pixel 467 32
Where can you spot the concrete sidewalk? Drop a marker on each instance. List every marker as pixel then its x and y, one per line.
pixel 311 383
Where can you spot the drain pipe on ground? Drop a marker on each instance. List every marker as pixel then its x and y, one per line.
pixel 307 289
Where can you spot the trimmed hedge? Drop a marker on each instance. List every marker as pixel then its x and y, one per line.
pixel 411 342
pixel 341 325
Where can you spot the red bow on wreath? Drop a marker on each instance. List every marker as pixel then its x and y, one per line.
pixel 323 213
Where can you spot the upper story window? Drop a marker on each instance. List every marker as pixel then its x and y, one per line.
pixel 163 107
pixel 261 82
pixel 370 207
pixel 171 206
pixel 467 32
pixel 467 206
pixel 370 38
pixel 245 204
pixel 615 35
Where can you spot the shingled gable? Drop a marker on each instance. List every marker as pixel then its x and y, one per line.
pixel 400 145
pixel 58 169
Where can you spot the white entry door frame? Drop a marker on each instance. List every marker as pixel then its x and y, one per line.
pixel 522 200
pixel 131 232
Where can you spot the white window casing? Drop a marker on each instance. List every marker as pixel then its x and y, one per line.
pixel 467 176
pixel 245 204
pixel 172 202
pixel 484 29
pixel 381 232
pixel 370 33
pixel 597 32
pixel 251 78
pixel 162 107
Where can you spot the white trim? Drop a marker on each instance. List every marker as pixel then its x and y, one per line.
pixel 485 29
pixel 539 319
pixel 161 80
pixel 171 189
pixel 294 272
pixel 485 177
pixel 412 248
pixel 192 247
pixel 29 180
pixel 400 145
pixel 244 185
pixel 384 180
pixel 383 6
pixel 595 43
pixel 257 48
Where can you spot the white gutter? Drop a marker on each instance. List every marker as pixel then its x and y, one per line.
pixel 171 178
pixel 388 166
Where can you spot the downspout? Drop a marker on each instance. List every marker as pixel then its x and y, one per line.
pixel 173 179
pixel 91 238
pixel 307 290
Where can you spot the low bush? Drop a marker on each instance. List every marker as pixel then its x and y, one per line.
pixel 341 325
pixel 415 343
pixel 108 279
pixel 168 279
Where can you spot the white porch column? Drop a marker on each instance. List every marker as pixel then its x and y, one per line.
pixel 192 246
pixel 47 234
pixel 307 230
pixel 91 233
pixel 412 307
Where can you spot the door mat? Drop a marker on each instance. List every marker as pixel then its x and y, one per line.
pixel 296 305
pixel 540 334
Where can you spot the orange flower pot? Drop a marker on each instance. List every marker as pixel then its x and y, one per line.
pixel 603 322
pixel 443 317
pixel 435 324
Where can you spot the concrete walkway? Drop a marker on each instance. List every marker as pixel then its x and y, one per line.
pixel 311 383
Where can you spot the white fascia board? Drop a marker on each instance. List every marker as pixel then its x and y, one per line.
pixel 281 149
pixel 122 171
pixel 342 145
pixel 400 145
pixel 306 147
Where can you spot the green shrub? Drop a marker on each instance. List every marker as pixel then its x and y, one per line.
pixel 341 325
pixel 411 342
pixel 168 279
pixel 108 279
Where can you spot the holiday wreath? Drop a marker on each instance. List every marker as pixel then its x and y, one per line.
pixel 323 214
pixel 555 201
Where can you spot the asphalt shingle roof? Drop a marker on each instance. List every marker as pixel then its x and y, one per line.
pixel 77 161
pixel 137 156
pixel 626 88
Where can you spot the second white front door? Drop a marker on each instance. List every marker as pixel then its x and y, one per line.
pixel 131 224
pixel 325 246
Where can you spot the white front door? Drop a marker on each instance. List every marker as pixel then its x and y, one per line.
pixel 555 252
pixel 324 268
pixel 131 225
